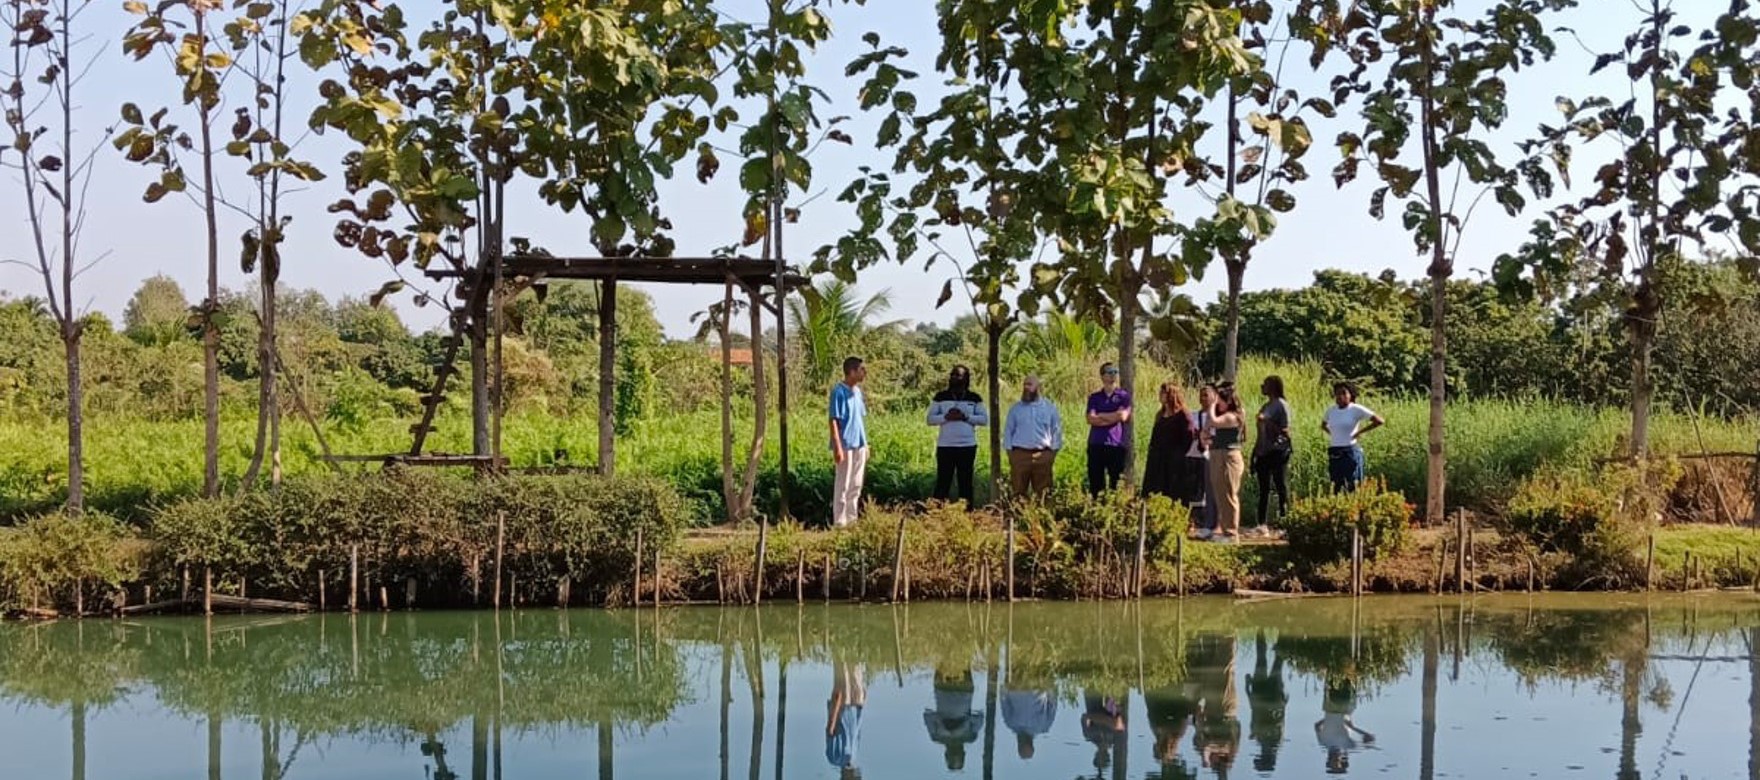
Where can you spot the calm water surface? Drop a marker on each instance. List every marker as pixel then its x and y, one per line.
pixel 1601 687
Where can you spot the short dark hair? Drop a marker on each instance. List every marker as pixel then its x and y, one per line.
pixel 959 369
pixel 850 364
pixel 1274 386
pixel 1345 387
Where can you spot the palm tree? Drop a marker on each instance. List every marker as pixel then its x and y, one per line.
pixel 1059 336
pixel 829 319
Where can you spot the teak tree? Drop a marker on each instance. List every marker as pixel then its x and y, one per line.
pixel 949 183
pixel 1106 90
pixel 186 31
pixel 1683 176
pixel 38 82
pixel 1431 83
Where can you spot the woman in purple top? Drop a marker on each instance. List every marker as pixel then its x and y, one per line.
pixel 1109 409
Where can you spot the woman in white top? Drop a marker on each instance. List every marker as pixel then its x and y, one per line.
pixel 1344 425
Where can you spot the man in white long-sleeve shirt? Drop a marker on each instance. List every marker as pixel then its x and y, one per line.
pixel 956 411
pixel 1033 435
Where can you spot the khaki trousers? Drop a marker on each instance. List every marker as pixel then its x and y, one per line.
pixel 1226 470
pixel 846 486
pixel 1029 471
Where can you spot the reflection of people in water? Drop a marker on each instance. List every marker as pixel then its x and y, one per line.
pixel 1266 698
pixel 1171 711
pixel 1335 727
pixel 433 748
pixel 1103 725
pixel 1029 713
pixel 953 723
pixel 849 694
pixel 1218 737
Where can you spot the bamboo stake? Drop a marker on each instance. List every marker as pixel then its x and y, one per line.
pixel 1460 551
pixel 898 559
pixel 1650 565
pixel 1530 559
pixel 323 606
pixel 1179 564
pixel 1356 561
pixel 500 553
pixel 1687 573
pixel 1008 517
pixel 656 580
pixel 825 583
pixel 800 576
pixel 354 577
pixel 635 586
pixel 1137 565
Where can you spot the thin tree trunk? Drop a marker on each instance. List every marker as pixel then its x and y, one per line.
pixel 78 715
pixel 724 324
pixel 607 377
pixel 993 367
pixel 1441 268
pixel 1231 354
pixel 266 401
pixel 479 336
pixel 1127 370
pixel 76 467
pixel 760 410
pixel 1630 725
pixel 210 327
pixel 1427 725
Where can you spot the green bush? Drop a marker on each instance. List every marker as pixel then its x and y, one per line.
pixel 1319 528
pixel 1598 518
pixel 50 560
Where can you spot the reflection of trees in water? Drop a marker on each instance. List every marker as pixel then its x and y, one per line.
pixel 411 677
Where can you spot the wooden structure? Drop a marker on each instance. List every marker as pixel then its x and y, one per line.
pixel 765 284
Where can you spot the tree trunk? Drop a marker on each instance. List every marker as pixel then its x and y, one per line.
pixel 993 367
pixel 1127 371
pixel 723 325
pixel 76 459
pixel 78 716
pixel 1641 329
pixel 479 335
pixel 267 405
pixel 760 411
pixel 1630 725
pixel 607 750
pixel 726 703
pixel 1427 720
pixel 1231 355
pixel 1441 268
pixel 608 377
pixel 210 328
pixel 214 724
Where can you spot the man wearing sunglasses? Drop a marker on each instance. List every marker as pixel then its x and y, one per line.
pixel 1109 409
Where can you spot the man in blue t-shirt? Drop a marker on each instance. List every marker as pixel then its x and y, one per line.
pixel 1109 409
pixel 849 442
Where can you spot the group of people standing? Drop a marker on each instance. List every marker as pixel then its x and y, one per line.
pixel 1195 456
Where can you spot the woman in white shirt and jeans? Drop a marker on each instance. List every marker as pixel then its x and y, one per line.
pixel 1344 424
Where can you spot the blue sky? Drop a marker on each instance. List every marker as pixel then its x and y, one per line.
pixel 1330 228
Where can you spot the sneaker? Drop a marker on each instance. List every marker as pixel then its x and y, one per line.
pixel 1224 539
pixel 1204 534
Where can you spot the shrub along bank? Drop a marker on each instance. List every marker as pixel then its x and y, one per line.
pixel 423 539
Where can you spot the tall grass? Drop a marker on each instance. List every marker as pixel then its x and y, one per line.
pixel 133 464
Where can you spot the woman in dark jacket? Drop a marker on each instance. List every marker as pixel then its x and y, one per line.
pixel 1166 471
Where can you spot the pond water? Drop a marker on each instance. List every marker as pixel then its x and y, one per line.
pixel 1555 687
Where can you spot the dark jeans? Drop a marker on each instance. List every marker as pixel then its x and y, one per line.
pixel 954 463
pixel 1105 468
pixel 1271 471
pixel 1345 466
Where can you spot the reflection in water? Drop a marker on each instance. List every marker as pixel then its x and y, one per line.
pixel 1077 688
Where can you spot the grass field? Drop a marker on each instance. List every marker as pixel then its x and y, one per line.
pixel 134 464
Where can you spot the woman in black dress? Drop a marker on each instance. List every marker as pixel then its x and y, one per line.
pixel 1167 471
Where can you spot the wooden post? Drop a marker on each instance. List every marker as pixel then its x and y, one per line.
pixel 758 561
pixel 476 579
pixel 564 591
pixel 898 559
pixel 1441 565
pixel 635 585
pixel 1687 573
pixel 1472 557
pixel 1008 565
pixel 384 597
pixel 608 377
pixel 500 551
pixel 1460 551
pixel 409 593
pixel 207 591
pixel 1530 559
pixel 1650 565
pixel 825 584
pixel 1142 541
pixel 1356 561
pixel 656 579
pixel 323 606
pixel 800 576
pixel 1179 565
pixel 354 577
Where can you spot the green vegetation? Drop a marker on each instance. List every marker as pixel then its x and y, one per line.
pixel 1319 529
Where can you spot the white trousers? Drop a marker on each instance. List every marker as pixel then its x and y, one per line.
pixel 846 487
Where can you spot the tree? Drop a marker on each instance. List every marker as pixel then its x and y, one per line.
pixel 1438 81
pixel 1683 175
pixel 44 52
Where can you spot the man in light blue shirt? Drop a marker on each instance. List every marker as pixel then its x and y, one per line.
pixel 1033 434
pixel 849 442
